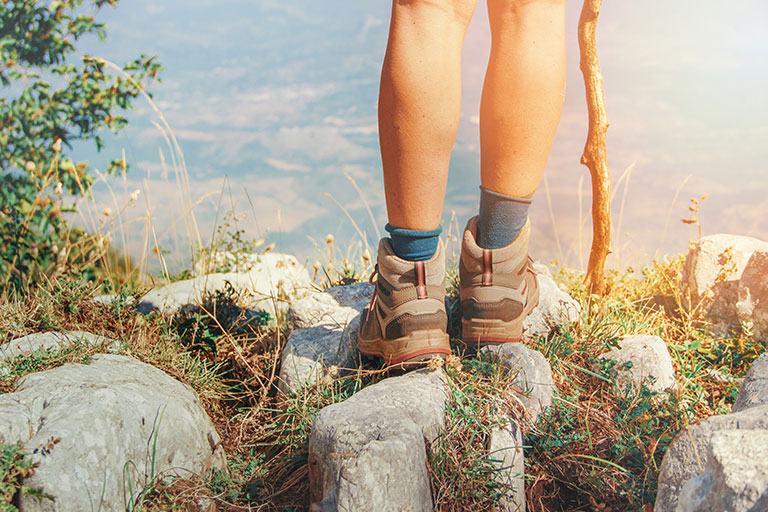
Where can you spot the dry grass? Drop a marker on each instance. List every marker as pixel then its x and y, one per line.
pixel 594 449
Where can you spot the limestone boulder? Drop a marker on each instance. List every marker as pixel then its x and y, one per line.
pixel 272 284
pixel 370 451
pixel 735 478
pixel 752 304
pixel 642 360
pixel 556 309
pixel 711 275
pixel 104 430
pixel 688 455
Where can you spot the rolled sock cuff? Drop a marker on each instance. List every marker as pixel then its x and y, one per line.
pixel 413 244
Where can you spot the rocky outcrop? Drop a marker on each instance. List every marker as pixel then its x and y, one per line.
pixel 704 469
pixel 272 283
pixel 556 309
pixel 711 276
pixel 104 430
pixel 641 360
pixel 735 478
pixel 325 334
pixel 370 451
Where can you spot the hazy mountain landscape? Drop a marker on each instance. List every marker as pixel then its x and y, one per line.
pixel 277 102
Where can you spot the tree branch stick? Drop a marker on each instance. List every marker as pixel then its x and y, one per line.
pixel 595 154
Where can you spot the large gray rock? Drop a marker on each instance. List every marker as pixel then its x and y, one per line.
pixel 687 456
pixel 369 452
pixel 754 389
pixel 111 426
pixel 273 282
pixel 556 309
pixel 711 275
pixel 752 305
pixel 642 360
pixel 735 478
pixel 325 334
pixel 534 376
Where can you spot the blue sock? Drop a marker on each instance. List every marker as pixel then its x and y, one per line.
pixel 412 244
pixel 501 218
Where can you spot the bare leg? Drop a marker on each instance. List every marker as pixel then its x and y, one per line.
pixel 523 93
pixel 419 106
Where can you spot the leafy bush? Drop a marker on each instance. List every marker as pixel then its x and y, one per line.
pixel 52 98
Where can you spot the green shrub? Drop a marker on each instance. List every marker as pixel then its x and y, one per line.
pixel 53 97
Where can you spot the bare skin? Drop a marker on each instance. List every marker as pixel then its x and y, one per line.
pixel 420 100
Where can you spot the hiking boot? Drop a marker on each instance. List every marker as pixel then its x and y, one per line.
pixel 498 288
pixel 405 322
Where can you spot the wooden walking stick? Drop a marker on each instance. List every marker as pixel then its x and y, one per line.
pixel 595 155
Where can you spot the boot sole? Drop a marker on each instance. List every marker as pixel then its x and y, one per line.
pixel 418 347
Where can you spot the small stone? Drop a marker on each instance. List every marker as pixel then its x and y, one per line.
pixel 752 304
pixel 98 431
pixel 687 456
pixel 316 308
pixel 534 378
pixel 324 334
pixel 642 360
pixel 556 310
pixel 736 475
pixel 273 282
pixel 506 446
pixel 355 296
pixel 754 389
pixel 542 270
pixel 711 275
pixel 310 350
pixel 370 451
pixel 52 340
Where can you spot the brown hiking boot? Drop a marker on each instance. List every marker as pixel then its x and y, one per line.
pixel 498 288
pixel 405 321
